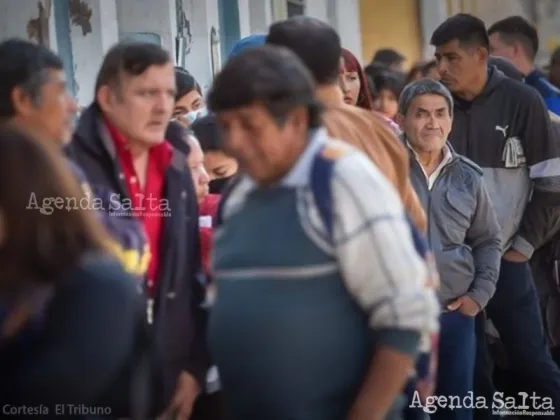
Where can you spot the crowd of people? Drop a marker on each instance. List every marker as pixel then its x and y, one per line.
pixel 310 240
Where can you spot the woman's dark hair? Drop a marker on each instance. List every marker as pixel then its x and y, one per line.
pixel 372 71
pixel 185 83
pixel 422 68
pixel 393 82
pixel 177 135
pixel 46 221
pixel 207 131
pixel 351 64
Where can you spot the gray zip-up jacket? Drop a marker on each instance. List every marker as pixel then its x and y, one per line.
pixel 463 230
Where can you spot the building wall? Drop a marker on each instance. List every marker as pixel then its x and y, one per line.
pixel 393 24
pixel 86 29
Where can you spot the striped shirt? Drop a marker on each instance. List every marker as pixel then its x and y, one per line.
pixel 373 245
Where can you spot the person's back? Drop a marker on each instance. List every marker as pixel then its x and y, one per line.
pixel 69 315
pixel 321 53
pixel 368 133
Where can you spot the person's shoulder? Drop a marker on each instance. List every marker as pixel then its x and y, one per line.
pixel 513 89
pixel 100 274
pixel 470 166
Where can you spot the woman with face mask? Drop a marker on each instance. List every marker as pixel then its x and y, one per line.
pixel 189 101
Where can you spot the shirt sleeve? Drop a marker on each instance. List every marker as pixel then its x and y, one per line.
pixel 376 253
pixel 484 238
pixel 541 144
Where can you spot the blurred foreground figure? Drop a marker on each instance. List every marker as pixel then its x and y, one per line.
pixel 71 319
pixel 320 304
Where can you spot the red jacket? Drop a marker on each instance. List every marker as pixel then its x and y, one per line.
pixel 207 209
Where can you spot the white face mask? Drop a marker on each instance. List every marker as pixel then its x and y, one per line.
pixel 195 115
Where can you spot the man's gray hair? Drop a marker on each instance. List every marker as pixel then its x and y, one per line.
pixel 423 87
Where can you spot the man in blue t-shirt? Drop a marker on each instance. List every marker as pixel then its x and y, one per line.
pixel 517 40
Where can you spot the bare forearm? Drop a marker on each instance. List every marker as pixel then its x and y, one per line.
pixel 384 382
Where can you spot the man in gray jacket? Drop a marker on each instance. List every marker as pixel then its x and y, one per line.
pixel 463 232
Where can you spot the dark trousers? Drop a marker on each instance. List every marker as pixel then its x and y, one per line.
pixel 209 407
pixel 457 346
pixel 515 312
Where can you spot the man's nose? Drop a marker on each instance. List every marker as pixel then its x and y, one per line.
pixel 72 105
pixel 441 66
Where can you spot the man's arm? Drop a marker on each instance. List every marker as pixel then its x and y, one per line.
pixel 385 274
pixel 542 151
pixel 484 238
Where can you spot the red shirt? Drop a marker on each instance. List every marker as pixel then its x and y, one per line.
pixel 145 202
pixel 208 207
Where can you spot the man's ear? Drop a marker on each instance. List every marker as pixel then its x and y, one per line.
pixel 105 98
pixel 300 116
pixel 482 54
pixel 21 101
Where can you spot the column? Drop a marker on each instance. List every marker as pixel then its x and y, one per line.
pixel 148 20
pixel 93 30
pixel 432 14
pixel 346 21
pixel 202 17
pixel 260 15
pixel 317 9
pixel 243 6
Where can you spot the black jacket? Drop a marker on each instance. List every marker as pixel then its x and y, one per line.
pixel 506 130
pixel 179 316
pixel 76 345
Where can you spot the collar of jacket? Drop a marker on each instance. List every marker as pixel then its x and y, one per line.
pixel 495 77
pixel 92 133
pixel 412 153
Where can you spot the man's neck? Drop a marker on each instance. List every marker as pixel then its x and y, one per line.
pixel 476 88
pixel 431 160
pixel 525 66
pixel 330 94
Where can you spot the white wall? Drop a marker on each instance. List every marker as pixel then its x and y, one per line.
pixel 153 16
pixel 202 15
pixel 14 17
pixel 88 50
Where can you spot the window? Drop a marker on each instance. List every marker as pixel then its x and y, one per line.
pixel 295 7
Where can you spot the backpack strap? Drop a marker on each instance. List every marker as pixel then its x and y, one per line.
pixel 320 183
pixel 229 187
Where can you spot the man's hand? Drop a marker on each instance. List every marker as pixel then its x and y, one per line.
pixel 183 400
pixel 465 305
pixel 514 256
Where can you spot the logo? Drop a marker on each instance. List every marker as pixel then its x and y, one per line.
pixel 523 405
pixel 503 130
pixel 116 205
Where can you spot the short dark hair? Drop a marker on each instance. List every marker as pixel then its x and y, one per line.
pixel 506 67
pixel 387 57
pixel 207 131
pixel 517 29
pixel 45 238
pixel 177 136
pixel 185 83
pixel 272 76
pixel 316 43
pixel 555 57
pixel 469 30
pixel 131 58
pixel 391 81
pixel 23 64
